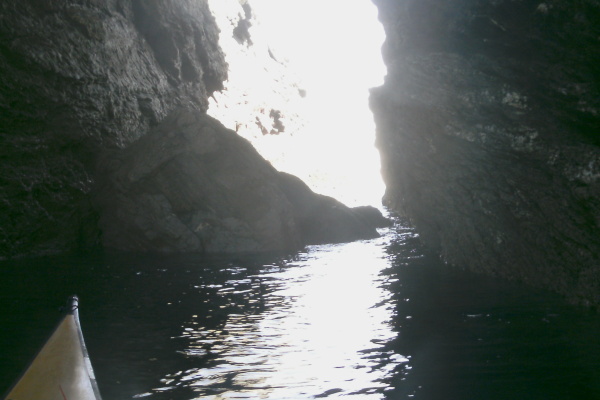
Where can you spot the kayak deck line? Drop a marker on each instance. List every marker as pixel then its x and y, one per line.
pixel 62 369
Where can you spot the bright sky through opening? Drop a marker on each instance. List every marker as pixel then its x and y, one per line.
pixel 334 48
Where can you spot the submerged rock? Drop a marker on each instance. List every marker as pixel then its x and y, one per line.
pixel 488 132
pixel 193 185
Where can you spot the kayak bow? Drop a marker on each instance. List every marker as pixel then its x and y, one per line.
pixel 62 369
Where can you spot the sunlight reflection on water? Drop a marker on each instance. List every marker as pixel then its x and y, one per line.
pixel 312 328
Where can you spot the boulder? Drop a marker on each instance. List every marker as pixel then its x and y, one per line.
pixel 192 185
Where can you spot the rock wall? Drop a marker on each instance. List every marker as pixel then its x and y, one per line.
pixel 488 128
pixel 79 76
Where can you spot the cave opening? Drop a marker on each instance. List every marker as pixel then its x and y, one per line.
pixel 298 87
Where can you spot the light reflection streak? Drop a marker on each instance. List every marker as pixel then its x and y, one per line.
pixel 314 327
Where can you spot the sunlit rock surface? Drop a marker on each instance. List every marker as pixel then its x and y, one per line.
pixel 263 95
pixel 193 185
pixel 79 76
pixel 488 128
pixel 298 85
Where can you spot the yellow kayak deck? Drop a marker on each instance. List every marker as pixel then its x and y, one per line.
pixel 62 369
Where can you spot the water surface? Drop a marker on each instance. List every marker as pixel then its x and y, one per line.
pixel 365 320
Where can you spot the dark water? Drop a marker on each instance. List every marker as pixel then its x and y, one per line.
pixel 366 320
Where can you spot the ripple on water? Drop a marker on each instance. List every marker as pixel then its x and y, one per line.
pixel 312 328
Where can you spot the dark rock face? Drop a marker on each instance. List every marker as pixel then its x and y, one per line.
pixel 488 127
pixel 192 185
pixel 81 85
pixel 78 76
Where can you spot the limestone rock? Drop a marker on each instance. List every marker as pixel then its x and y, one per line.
pixel 192 185
pixel 488 131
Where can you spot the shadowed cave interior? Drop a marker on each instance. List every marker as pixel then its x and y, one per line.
pixel 398 198
pixel 486 129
